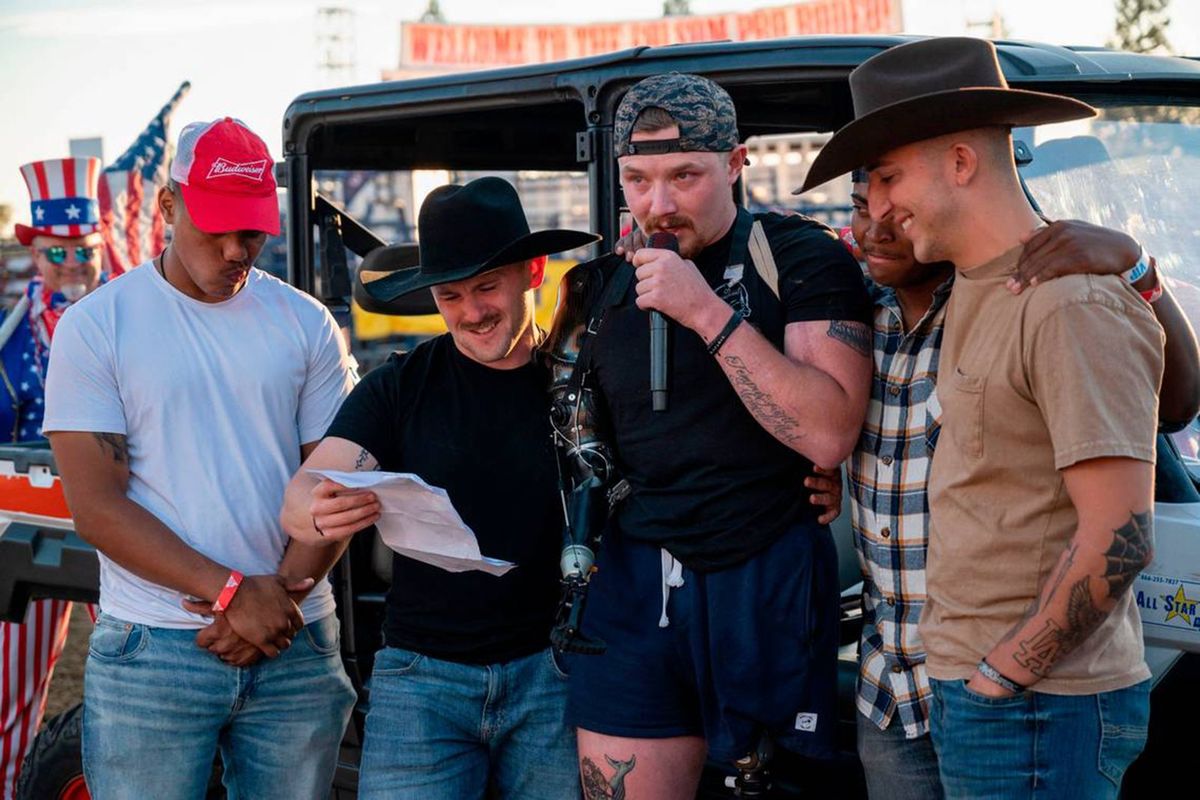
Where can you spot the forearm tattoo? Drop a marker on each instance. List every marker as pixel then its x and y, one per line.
pixel 1124 559
pixel 1129 552
pixel 597 787
pixel 115 445
pixel 853 334
pixel 360 463
pixel 780 424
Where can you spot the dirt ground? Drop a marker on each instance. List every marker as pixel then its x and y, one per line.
pixel 66 688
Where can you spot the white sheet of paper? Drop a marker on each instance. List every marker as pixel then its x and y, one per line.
pixel 419 521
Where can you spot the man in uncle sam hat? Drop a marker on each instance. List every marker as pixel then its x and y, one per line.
pixel 64 242
pixel 1041 488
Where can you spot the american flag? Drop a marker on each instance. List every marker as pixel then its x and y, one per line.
pixel 131 224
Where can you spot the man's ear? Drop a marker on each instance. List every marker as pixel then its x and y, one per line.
pixel 166 204
pixel 965 160
pixel 737 162
pixel 537 271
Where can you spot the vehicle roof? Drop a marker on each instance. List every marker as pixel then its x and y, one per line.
pixel 536 106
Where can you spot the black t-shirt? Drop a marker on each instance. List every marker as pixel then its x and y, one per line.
pixel 709 484
pixel 483 435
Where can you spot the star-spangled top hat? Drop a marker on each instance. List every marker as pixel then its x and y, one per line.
pixel 63 198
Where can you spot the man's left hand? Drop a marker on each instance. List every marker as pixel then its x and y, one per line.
pixel 673 285
pixel 1071 247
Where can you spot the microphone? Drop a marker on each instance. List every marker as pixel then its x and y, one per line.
pixel 659 360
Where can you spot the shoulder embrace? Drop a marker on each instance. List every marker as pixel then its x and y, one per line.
pixel 1110 291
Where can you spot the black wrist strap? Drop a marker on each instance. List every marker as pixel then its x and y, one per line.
pixel 993 675
pixel 714 346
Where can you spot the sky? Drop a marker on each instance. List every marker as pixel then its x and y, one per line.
pixel 84 68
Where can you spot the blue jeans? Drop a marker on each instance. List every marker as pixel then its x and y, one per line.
pixel 157 708
pixel 439 730
pixel 897 768
pixel 1034 745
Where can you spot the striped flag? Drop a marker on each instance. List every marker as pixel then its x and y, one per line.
pixel 132 225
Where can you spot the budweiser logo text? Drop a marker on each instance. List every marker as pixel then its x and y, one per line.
pixel 250 169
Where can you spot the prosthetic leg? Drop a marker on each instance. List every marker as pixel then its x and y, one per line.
pixel 753 777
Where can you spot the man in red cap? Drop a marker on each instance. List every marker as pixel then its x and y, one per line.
pixel 64 242
pixel 180 401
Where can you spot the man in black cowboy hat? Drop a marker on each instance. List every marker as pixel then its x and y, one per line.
pixel 1041 488
pixel 466 692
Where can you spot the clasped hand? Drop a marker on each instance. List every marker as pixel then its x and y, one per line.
pixel 262 619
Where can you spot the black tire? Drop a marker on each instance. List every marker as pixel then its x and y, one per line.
pixel 54 767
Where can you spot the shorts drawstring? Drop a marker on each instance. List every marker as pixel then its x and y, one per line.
pixel 672 577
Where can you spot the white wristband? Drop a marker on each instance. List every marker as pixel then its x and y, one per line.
pixel 1135 273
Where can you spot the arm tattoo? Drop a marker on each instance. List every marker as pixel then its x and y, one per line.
pixel 1129 552
pixel 853 334
pixel 114 444
pixel 1039 652
pixel 1125 558
pixel 1036 605
pixel 597 787
pixel 774 419
pixel 360 463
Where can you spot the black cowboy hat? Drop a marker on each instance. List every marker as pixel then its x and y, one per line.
pixel 466 230
pixel 921 90
pixel 378 265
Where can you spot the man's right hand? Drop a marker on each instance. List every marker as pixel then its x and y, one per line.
pixel 220 640
pixel 264 614
pixel 338 513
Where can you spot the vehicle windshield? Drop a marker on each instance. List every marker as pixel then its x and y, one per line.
pixel 1132 168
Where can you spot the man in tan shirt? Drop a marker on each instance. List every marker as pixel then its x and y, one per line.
pixel 1041 489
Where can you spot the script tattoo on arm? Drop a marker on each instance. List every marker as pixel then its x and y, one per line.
pixel 1124 559
pixel 853 334
pixel 115 445
pixel 360 463
pixel 782 425
pixel 597 787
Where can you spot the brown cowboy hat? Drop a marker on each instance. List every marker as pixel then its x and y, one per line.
pixel 924 89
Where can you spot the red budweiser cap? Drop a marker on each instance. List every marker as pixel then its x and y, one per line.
pixel 225 174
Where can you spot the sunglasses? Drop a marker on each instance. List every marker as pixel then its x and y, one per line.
pixel 57 255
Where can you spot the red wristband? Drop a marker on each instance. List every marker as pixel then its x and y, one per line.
pixel 226 595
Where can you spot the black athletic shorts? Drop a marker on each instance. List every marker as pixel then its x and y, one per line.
pixel 747 649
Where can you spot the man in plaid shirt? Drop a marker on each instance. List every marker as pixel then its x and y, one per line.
pixel 889 472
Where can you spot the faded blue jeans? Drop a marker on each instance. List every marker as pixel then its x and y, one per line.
pixel 897 768
pixel 157 708
pixel 440 730
pixel 1035 745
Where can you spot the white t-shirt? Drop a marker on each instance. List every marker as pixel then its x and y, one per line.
pixel 214 400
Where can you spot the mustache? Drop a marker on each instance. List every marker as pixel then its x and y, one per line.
pixel 484 323
pixel 660 223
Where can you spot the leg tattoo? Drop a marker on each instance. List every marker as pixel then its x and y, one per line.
pixel 597 787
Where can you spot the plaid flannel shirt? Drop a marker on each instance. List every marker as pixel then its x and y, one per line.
pixel 889 476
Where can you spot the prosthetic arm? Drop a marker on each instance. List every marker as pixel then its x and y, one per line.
pixel 588 482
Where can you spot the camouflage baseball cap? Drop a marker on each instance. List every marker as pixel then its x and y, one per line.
pixel 704 111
